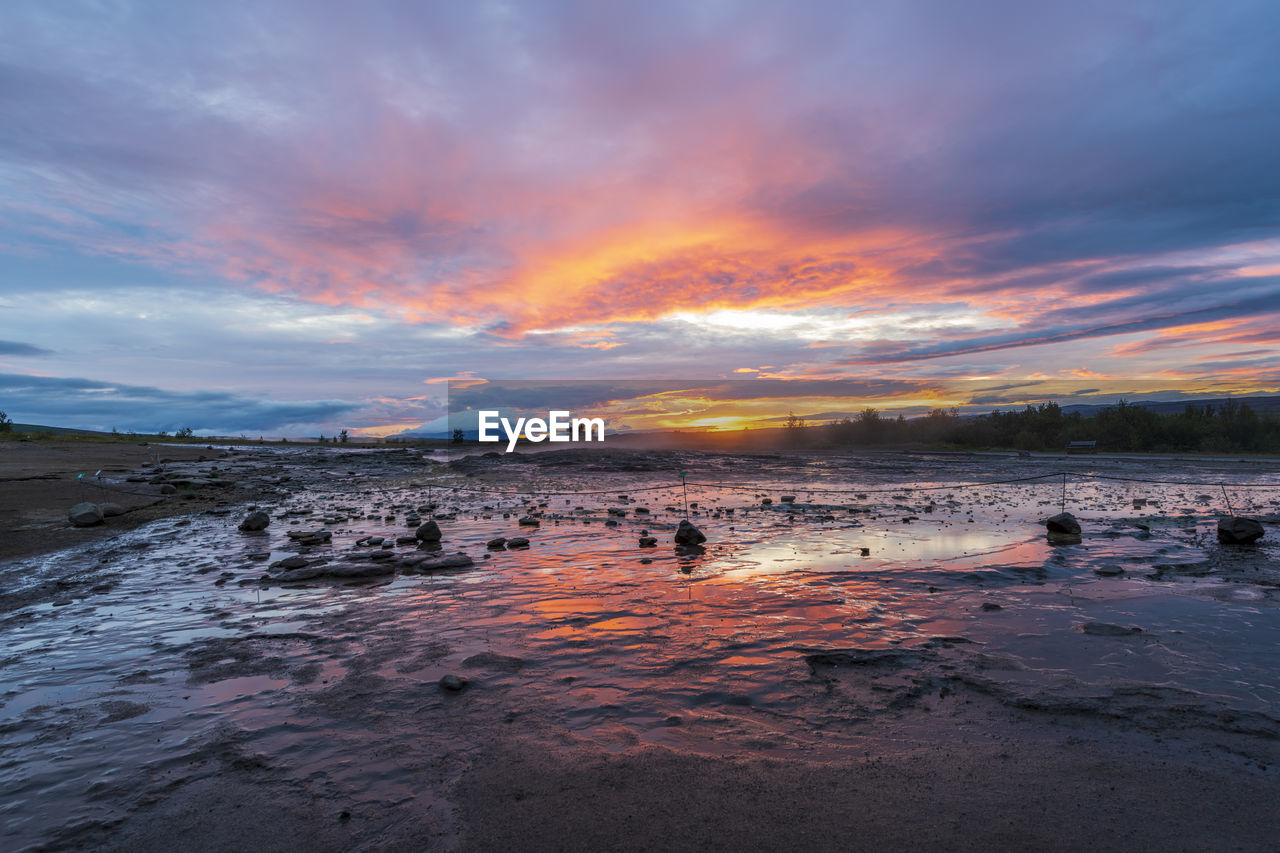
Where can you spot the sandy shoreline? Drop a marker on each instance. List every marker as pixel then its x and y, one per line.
pixel 775 693
pixel 38 485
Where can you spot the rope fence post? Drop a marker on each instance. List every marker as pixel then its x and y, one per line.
pixel 1064 492
pixel 684 491
pixel 1230 511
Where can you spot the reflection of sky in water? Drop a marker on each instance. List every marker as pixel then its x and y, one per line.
pixel 611 644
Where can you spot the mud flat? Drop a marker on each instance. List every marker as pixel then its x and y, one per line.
pixel 882 666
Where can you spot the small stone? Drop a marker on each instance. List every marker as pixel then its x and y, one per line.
pixel 1063 522
pixel 517 542
pixel 493 660
pixel 648 542
pixel 497 544
pixel 1106 629
pixel 1108 571
pixel 1237 530
pixel 424 563
pixel 452 683
pixel 788 499
pixel 991 606
pixel 110 510
pixel 428 531
pixel 167 489
pixel 85 514
pixel 530 521
pixel 254 521
pixel 687 534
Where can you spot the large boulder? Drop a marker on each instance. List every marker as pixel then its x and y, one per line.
pixel 256 520
pixel 687 534
pixel 110 510
pixel 85 514
pixel 1063 522
pixel 428 531
pixel 1237 530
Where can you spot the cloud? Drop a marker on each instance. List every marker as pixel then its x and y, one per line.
pixel 540 169
pixel 19 348
pixel 622 190
pixel 91 404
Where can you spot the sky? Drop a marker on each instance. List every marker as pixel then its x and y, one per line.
pixel 294 217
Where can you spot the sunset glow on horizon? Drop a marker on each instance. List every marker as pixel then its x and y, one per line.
pixel 292 218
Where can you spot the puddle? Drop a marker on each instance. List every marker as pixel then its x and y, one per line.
pixel 335 679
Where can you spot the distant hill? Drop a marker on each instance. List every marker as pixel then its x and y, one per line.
pixel 1260 405
pixel 53 430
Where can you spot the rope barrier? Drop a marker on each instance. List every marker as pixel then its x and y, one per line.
pixel 1172 482
pixel 756 487
pixel 868 491
pixel 546 492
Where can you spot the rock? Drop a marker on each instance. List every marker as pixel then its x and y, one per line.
pixel 303 574
pixel 1063 522
pixel 496 544
pixel 423 563
pixel 530 521
pixel 687 534
pixel 1108 571
pixel 493 660
pixel 256 520
pixel 1106 629
pixel 167 489
pixel 452 683
pixel 1237 530
pixel 85 514
pixel 991 606
pixel 767 502
pixel 289 563
pixel 311 537
pixel 648 542
pixel 517 542
pixel 110 510
pixel 788 499
pixel 428 531
pixel 357 570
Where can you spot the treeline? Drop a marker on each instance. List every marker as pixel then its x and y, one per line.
pixel 1232 426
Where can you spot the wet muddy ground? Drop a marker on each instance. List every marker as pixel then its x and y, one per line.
pixel 176 671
